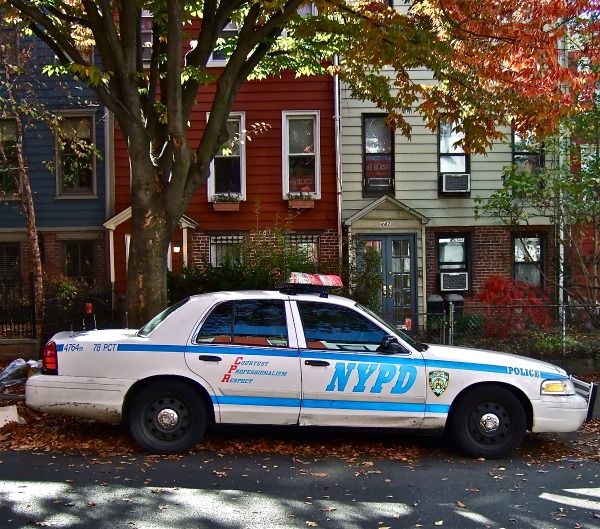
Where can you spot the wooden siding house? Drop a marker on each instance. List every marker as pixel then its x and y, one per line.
pixel 413 200
pixel 72 195
pixel 256 185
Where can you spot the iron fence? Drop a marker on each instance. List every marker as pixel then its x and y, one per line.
pixel 531 329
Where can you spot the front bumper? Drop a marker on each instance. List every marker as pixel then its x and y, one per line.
pixel 589 393
pixel 90 398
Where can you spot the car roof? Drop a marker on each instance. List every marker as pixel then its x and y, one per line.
pixel 268 294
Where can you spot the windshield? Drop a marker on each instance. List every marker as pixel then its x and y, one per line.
pixel 159 318
pixel 390 327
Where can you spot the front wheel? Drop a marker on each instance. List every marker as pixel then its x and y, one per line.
pixel 167 418
pixel 488 422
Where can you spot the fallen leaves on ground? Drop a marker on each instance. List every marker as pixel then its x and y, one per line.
pixel 51 433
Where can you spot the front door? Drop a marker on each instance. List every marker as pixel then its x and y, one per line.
pixel 398 271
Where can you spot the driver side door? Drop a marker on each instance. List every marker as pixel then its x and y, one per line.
pixel 346 380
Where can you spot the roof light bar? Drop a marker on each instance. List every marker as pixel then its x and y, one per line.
pixel 317 280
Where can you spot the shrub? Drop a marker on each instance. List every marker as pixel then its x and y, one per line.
pixel 512 305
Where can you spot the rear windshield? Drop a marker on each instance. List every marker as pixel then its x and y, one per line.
pixel 160 317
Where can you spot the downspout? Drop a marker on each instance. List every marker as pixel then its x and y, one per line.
pixel 338 153
pixel 109 189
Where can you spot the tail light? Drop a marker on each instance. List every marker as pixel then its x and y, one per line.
pixel 50 359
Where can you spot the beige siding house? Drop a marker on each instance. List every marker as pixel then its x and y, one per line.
pixel 413 199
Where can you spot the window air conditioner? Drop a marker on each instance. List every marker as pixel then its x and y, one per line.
pixel 456 182
pixel 454 281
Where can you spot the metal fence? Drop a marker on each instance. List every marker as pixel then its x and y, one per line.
pixel 93 310
pixel 531 329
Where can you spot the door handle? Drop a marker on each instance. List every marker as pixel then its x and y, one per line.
pixel 210 358
pixel 317 363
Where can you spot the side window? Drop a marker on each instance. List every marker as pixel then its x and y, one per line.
pixel 246 322
pixel 338 328
pixel 217 328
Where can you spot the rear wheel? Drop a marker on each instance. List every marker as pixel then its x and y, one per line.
pixel 489 422
pixel 167 417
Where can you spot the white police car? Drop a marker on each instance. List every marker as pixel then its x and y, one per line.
pixel 295 358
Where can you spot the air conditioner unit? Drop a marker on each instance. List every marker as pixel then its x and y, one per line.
pixel 451 281
pixel 456 183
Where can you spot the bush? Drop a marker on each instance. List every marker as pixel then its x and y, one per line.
pixel 512 305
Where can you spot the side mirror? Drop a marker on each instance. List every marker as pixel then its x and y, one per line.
pixel 390 345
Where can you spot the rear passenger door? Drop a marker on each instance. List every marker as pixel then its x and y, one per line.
pixel 346 380
pixel 244 350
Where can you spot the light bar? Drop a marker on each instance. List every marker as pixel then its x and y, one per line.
pixel 317 280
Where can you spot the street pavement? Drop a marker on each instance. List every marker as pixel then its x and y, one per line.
pixel 211 490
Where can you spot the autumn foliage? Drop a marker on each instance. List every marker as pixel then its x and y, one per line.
pixel 512 305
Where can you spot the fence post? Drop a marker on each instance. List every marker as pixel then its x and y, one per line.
pixel 450 323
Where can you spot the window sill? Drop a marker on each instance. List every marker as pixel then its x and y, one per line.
pixel 76 197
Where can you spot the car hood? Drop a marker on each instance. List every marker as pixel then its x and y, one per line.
pixel 483 356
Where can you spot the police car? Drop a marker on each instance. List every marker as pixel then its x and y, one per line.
pixel 291 357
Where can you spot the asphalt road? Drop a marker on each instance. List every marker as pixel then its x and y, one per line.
pixel 208 490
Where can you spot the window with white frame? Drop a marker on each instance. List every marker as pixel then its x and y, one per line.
pixel 75 165
pixel 228 168
pixel 225 43
pixel 528 258
pixel 452 157
pixel 9 168
pixel 224 247
pixel 301 154
pixel 527 153
pixel 305 243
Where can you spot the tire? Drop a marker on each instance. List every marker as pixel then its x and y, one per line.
pixel 167 418
pixel 488 422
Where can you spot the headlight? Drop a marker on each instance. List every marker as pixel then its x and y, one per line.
pixel 557 387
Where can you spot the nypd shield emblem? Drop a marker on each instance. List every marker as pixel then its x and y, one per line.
pixel 438 382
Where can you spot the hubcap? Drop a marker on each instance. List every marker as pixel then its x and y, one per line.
pixel 489 422
pixel 167 419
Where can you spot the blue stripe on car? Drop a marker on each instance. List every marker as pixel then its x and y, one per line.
pixel 330 404
pixel 326 355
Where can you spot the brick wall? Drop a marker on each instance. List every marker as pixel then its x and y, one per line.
pixel 490 254
pixel 328 249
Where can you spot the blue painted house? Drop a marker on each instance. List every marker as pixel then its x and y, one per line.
pixel 72 191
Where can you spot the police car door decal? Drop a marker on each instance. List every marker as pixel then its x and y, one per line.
pixel 243 349
pixel 346 380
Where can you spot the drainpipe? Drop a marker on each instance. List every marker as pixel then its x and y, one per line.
pixel 338 153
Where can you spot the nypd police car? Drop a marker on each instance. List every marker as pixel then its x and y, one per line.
pixel 288 357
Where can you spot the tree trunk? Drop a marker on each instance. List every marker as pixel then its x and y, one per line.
pixel 150 236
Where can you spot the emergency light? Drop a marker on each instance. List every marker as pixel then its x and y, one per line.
pixel 302 283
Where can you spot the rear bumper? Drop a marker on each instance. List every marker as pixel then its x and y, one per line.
pixel 90 398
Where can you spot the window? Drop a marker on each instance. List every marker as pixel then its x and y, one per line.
pixel 453 252
pixel 378 155
pixel 75 158
pixel 79 259
pixel 228 168
pixel 306 244
pixel 301 157
pixel 146 38
pixel 452 157
pixel 224 46
pixel 246 322
pixel 10 270
pixel 9 167
pixel 527 154
pixel 338 328
pixel 528 258
pixel 224 247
